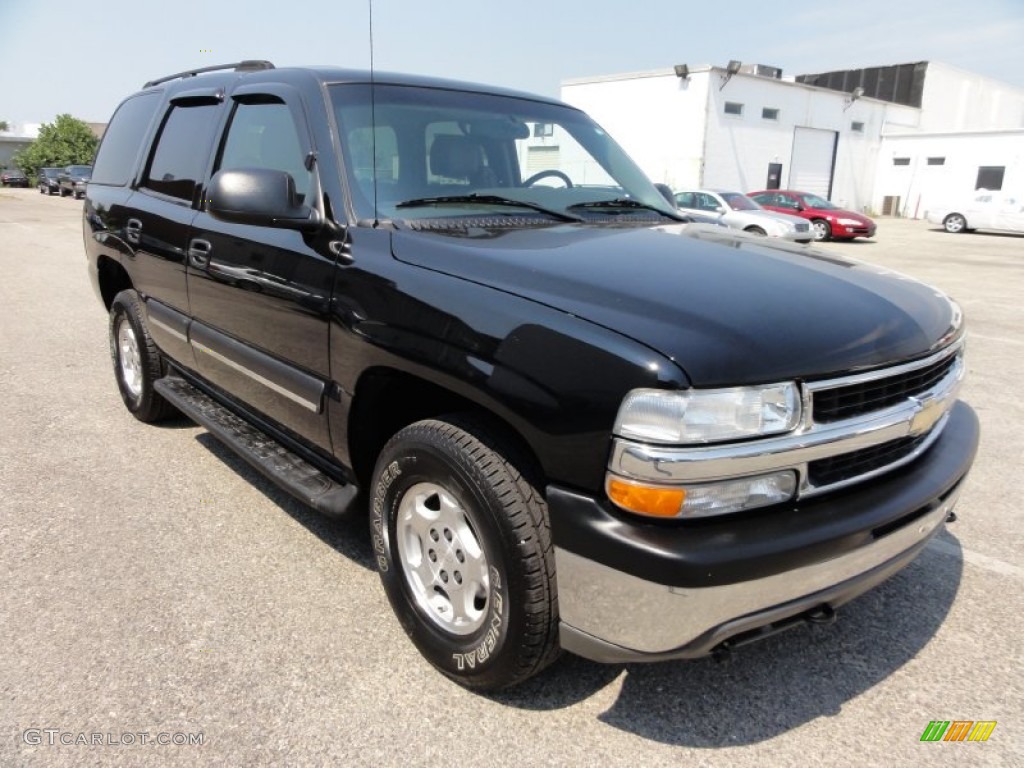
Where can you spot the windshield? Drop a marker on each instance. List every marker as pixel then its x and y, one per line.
pixel 739 202
pixel 429 152
pixel 80 170
pixel 813 201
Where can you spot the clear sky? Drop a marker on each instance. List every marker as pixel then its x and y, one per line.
pixel 84 56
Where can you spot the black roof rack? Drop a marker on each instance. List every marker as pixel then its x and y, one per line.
pixel 249 65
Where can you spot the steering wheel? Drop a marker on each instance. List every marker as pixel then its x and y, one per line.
pixel 545 174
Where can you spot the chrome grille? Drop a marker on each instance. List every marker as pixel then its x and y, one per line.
pixel 839 469
pixel 875 394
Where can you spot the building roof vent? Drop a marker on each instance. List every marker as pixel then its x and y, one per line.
pixel 762 70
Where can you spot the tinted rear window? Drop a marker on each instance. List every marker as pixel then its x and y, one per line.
pixel 123 139
pixel 179 159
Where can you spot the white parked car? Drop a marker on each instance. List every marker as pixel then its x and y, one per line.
pixel 738 211
pixel 985 210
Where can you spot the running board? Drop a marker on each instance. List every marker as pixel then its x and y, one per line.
pixel 280 465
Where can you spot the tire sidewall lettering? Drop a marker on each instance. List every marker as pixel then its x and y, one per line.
pixel 469 655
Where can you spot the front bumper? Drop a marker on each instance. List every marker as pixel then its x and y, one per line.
pixel 844 231
pixel 633 591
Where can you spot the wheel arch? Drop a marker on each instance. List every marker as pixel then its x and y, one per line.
pixel 387 399
pixel 112 278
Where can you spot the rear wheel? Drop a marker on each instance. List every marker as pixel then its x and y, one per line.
pixel 954 223
pixel 822 230
pixel 464 552
pixel 136 359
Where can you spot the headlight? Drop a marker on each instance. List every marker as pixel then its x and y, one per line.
pixel 850 222
pixel 708 415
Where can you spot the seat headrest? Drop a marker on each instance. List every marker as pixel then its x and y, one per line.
pixel 454 157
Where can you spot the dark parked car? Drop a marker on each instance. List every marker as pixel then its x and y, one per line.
pixel 49 183
pixel 577 421
pixel 73 179
pixel 828 221
pixel 12 177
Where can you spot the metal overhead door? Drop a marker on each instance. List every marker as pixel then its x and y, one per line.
pixel 814 159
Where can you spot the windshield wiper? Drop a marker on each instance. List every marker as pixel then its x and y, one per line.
pixel 486 200
pixel 622 202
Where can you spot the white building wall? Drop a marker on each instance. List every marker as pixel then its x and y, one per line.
pixel 657 117
pixel 956 100
pixel 678 132
pixel 920 185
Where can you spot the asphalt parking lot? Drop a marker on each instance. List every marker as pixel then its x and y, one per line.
pixel 152 584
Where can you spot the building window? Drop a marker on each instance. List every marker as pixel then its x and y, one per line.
pixel 770 113
pixel 901 161
pixel 733 108
pixel 543 129
pixel 936 161
pixel 990 177
pixel 857 127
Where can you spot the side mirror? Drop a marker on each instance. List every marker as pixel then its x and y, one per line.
pixel 259 196
pixel 719 209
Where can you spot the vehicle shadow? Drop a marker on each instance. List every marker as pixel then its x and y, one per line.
pixel 766 689
pixel 349 536
pixel 774 686
pixel 980 233
pixel 179 421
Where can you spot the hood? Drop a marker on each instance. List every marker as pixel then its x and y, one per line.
pixel 729 311
pixel 788 217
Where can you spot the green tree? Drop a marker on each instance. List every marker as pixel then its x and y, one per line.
pixel 4 126
pixel 65 141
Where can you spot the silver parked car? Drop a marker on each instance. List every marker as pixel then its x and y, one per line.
pixel 984 210
pixel 738 211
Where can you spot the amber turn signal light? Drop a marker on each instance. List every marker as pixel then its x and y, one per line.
pixel 645 499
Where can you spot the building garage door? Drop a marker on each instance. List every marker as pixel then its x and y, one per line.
pixel 541 159
pixel 814 159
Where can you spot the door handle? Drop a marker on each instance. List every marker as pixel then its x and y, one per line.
pixel 133 231
pixel 199 252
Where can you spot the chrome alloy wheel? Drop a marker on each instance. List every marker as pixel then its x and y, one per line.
pixel 442 559
pixel 128 356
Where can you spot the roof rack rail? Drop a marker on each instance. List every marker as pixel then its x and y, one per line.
pixel 249 65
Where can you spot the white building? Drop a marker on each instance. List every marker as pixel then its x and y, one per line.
pixel 883 139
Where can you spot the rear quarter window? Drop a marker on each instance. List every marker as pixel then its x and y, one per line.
pixel 178 160
pixel 122 141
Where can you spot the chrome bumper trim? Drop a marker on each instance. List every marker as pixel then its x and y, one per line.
pixel 926 413
pixel 649 618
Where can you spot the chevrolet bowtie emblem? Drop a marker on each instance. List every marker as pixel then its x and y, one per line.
pixel 929 412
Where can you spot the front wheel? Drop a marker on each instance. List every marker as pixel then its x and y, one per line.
pixel 954 223
pixel 136 359
pixel 822 230
pixel 464 551
pixel 756 231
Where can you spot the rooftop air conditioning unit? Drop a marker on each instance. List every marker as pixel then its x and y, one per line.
pixel 762 70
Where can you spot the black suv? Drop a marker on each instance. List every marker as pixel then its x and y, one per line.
pixel 73 179
pixel 48 181
pixel 12 177
pixel 576 419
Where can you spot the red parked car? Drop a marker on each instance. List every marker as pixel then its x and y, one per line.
pixel 827 220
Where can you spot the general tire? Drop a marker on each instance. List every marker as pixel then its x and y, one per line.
pixel 463 547
pixel 136 360
pixel 955 223
pixel 822 230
